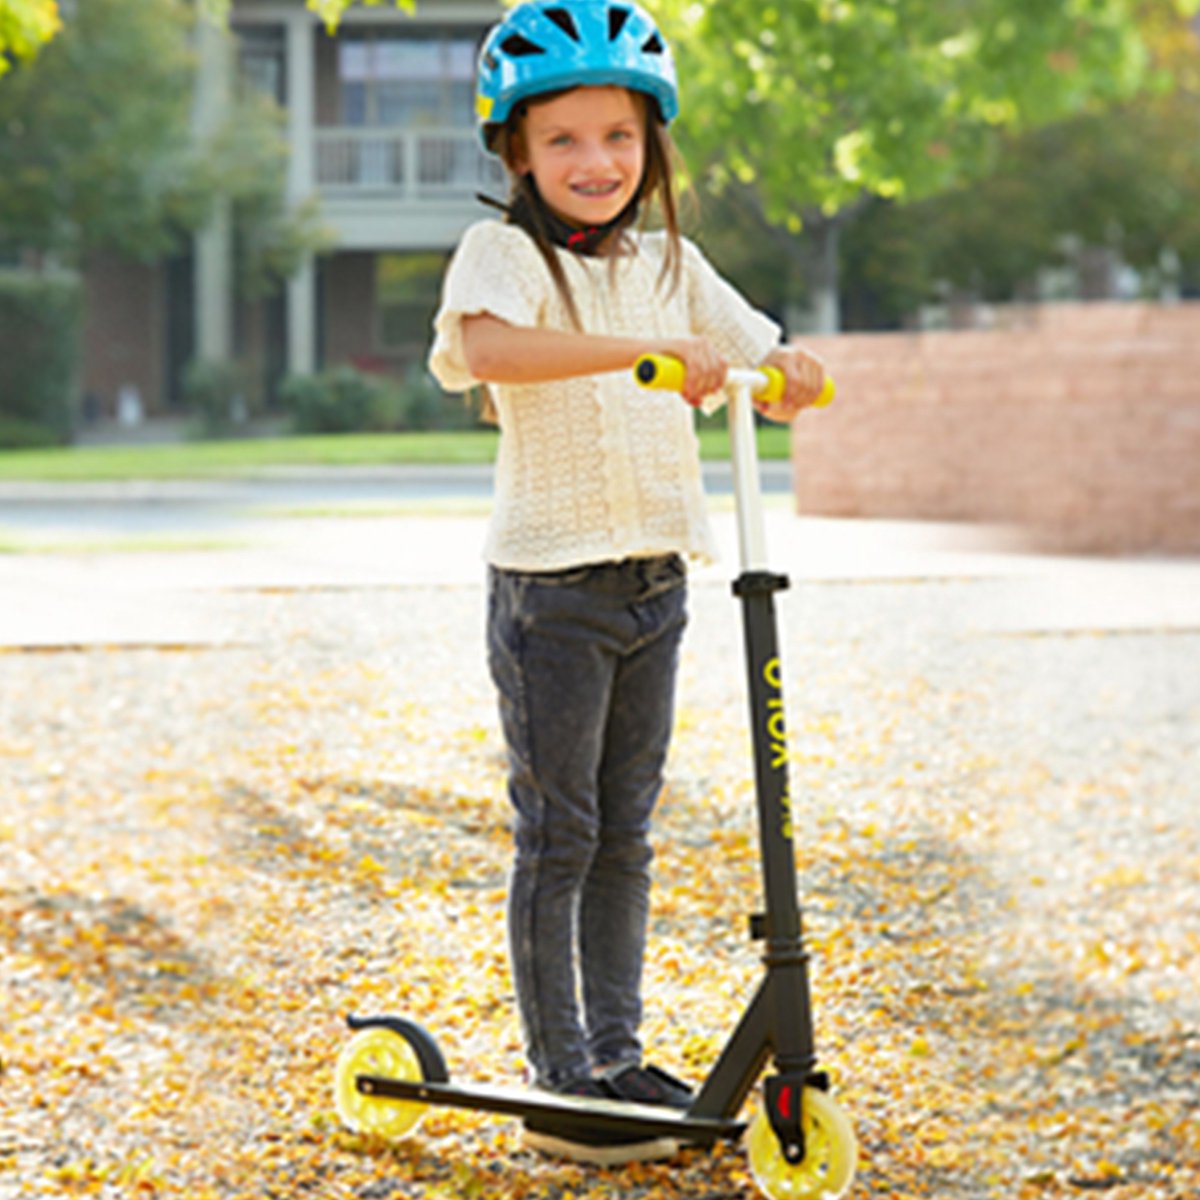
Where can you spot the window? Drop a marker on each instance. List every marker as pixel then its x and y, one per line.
pixel 261 61
pixel 406 297
pixel 392 79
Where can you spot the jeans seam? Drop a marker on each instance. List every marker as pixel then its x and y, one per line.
pixel 514 645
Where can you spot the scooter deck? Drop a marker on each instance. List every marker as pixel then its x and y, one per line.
pixel 567 1112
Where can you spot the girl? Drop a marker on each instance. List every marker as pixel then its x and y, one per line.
pixel 598 504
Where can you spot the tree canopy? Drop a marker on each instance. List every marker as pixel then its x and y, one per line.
pixel 95 134
pixel 813 106
pixel 802 111
pixel 331 10
pixel 25 26
pixel 1099 189
pixel 98 150
pixel 819 101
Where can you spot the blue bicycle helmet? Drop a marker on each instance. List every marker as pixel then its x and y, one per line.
pixel 549 45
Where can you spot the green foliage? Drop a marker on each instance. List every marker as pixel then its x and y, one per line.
pixel 246 456
pixel 330 11
pixel 213 392
pixel 1127 182
pixel 95 148
pixel 336 401
pixel 1123 181
pixel 245 160
pixel 98 151
pixel 346 400
pixel 814 107
pixel 422 405
pixel 886 267
pixel 821 101
pixel 25 26
pixel 39 354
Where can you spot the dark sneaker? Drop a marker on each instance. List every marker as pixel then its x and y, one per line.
pixel 650 1085
pixel 547 1136
pixel 587 1087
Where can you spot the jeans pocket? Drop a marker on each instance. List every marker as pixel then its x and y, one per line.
pixel 662 575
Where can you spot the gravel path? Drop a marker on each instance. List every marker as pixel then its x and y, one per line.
pixel 999 848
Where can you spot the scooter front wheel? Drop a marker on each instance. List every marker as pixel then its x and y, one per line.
pixel 830 1153
pixel 377 1050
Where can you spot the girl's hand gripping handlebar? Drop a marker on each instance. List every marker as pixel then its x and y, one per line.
pixel 766 385
pixel 663 372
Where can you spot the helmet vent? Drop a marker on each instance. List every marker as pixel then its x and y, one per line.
pixel 520 47
pixel 653 45
pixel 564 21
pixel 616 22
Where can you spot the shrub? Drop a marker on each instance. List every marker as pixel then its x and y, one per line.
pixel 213 393
pixel 346 400
pixel 416 402
pixel 337 401
pixel 425 406
pixel 39 358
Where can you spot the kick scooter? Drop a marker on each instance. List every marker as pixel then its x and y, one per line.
pixel 800 1145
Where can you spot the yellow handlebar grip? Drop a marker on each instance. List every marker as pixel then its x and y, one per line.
pixel 662 372
pixel 773 393
pixel 776 386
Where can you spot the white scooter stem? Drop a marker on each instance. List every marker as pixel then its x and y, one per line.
pixel 747 485
pixel 666 373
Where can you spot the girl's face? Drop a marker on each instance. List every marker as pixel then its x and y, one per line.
pixel 586 150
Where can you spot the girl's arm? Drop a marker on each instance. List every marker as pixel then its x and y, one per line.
pixel 499 352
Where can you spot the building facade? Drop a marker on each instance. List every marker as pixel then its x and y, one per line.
pixel 380 130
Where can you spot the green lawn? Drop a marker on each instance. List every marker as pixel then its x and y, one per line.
pixel 198 460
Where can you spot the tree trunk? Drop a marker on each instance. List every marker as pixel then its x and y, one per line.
pixel 824 306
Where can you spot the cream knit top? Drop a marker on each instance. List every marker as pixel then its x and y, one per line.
pixel 592 469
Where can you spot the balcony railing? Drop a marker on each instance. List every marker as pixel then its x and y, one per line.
pixel 404 164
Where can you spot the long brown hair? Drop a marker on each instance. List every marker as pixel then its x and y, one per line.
pixel 657 189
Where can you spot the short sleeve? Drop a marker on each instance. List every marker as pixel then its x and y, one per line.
pixel 718 312
pixel 496 269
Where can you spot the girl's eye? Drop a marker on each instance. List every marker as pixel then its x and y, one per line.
pixel 562 139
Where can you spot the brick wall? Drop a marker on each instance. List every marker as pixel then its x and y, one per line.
pixel 1079 424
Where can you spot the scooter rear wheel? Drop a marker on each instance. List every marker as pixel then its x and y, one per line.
pixel 830 1153
pixel 377 1051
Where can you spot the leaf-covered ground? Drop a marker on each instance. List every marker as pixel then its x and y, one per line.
pixel 208 855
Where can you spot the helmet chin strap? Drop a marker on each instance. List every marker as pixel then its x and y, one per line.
pixel 532 213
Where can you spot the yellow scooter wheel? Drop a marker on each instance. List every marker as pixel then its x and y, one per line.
pixel 830 1153
pixel 377 1051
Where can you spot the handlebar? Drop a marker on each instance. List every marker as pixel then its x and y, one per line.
pixel 664 372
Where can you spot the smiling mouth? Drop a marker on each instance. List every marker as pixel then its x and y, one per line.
pixel 593 190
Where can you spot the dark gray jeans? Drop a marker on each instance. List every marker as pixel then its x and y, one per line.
pixel 585 663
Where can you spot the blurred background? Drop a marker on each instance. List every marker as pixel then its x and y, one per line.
pixel 223 219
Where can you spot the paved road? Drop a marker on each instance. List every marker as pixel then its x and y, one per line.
pixel 94 570
pixel 145 508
